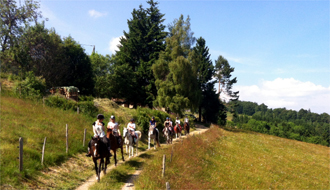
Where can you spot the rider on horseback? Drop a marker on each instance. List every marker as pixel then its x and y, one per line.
pixel 98 129
pixel 186 120
pixel 167 123
pixel 115 128
pixel 153 124
pixel 131 127
pixel 177 121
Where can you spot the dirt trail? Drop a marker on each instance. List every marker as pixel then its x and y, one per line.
pixel 129 185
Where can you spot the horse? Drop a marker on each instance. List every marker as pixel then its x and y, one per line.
pixel 153 134
pixel 168 135
pixel 99 151
pixel 114 144
pixel 129 141
pixel 177 130
pixel 186 128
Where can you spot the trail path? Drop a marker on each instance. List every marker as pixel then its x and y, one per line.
pixel 129 185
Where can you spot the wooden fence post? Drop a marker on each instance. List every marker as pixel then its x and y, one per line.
pixel 67 139
pixel 168 186
pixel 43 151
pixel 21 154
pixel 84 138
pixel 77 110
pixel 163 172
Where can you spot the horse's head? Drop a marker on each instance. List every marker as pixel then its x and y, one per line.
pixel 109 132
pixel 125 132
pixel 95 144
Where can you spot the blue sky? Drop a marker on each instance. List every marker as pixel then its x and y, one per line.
pixel 280 49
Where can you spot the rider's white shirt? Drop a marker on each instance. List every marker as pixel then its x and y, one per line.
pixel 113 126
pixel 186 120
pixel 177 121
pixel 171 123
pixel 131 126
pixel 97 129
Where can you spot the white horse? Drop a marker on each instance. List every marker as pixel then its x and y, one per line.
pixel 154 135
pixel 128 141
pixel 168 135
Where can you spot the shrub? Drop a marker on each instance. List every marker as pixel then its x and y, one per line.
pixel 31 87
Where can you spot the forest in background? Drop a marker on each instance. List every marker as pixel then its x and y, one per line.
pixel 302 125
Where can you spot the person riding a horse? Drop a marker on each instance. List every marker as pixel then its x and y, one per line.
pixel 152 124
pixel 167 124
pixel 186 120
pixel 98 129
pixel 131 128
pixel 115 128
pixel 177 121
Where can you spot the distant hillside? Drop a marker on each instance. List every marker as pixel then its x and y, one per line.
pixel 238 159
pixel 302 125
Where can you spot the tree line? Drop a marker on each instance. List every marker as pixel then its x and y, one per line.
pixel 302 125
pixel 155 66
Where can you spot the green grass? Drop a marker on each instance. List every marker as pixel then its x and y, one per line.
pixel 33 122
pixel 236 159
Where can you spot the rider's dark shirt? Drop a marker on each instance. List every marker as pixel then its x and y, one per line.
pixel 153 123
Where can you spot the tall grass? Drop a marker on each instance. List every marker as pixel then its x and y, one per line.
pixel 220 159
pixel 34 122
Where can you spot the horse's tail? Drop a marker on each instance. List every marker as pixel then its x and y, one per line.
pixel 157 139
pixel 139 134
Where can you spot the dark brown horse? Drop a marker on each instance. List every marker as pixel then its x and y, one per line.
pixel 115 145
pixel 99 152
pixel 186 128
pixel 177 130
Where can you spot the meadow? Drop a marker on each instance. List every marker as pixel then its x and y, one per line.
pixel 237 159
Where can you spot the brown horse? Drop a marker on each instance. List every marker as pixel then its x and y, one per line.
pixel 177 130
pixel 114 144
pixel 99 152
pixel 186 128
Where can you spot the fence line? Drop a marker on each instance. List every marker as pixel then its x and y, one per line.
pixel 67 139
pixel 164 159
pixel 21 154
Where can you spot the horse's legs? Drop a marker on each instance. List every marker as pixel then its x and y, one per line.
pixel 154 143
pixel 96 169
pixel 148 141
pixel 137 143
pixel 115 156
pixel 99 170
pixel 126 148
pixel 122 153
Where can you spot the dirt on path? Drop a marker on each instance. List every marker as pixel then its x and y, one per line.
pixel 129 185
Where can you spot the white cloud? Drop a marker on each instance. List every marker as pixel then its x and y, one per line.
pixel 113 44
pixel 289 93
pixel 95 14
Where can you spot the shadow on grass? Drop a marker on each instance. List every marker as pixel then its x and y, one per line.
pixel 235 130
pixel 145 155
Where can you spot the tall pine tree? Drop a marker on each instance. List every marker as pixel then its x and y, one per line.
pixel 140 48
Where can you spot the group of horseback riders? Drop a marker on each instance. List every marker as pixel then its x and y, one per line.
pixel 99 129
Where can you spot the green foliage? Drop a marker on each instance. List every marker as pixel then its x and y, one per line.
pixel 175 80
pixel 85 107
pixel 31 87
pixel 139 49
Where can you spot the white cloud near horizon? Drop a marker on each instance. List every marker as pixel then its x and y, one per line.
pixel 113 44
pixel 289 93
pixel 95 14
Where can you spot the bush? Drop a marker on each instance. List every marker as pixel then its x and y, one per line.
pixel 31 87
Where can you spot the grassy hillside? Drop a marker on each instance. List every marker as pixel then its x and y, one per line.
pixel 33 122
pixel 220 159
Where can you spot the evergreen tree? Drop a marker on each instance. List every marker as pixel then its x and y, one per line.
pixel 204 70
pixel 175 79
pixel 140 48
pixel 223 75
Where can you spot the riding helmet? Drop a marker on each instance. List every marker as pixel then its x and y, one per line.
pixel 100 116
pixel 132 119
pixel 112 117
